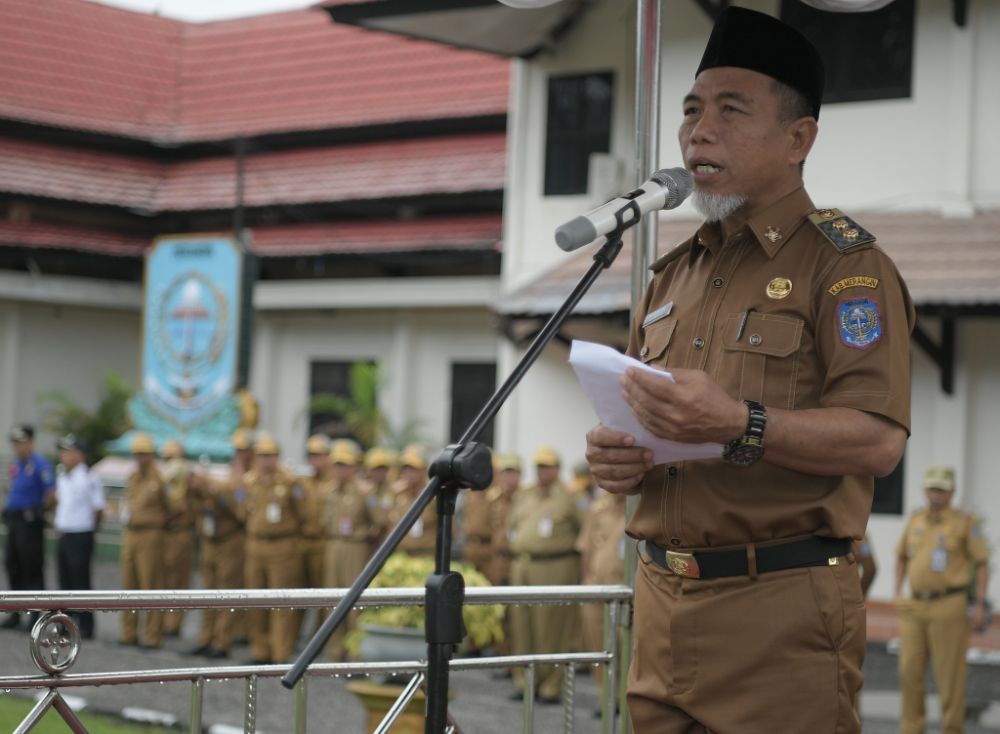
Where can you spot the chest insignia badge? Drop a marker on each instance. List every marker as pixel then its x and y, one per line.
pixel 779 288
pixel 773 234
pixel 859 322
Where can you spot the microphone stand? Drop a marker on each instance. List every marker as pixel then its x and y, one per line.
pixel 463 464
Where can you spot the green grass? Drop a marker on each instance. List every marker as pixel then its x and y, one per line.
pixel 13 710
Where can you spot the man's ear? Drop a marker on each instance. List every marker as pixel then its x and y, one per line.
pixel 801 135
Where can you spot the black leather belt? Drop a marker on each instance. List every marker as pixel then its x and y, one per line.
pixel 814 551
pixel 549 556
pixel 928 595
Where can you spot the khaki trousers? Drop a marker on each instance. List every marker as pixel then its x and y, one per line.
pixel 221 568
pixel 939 629
pixel 345 559
pixel 781 653
pixel 178 555
pixel 538 628
pixel 274 564
pixel 142 568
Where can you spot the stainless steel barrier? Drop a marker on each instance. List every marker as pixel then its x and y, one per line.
pixel 55 645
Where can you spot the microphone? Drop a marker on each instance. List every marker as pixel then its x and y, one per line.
pixel 665 189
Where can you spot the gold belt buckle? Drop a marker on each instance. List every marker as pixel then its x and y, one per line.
pixel 683 564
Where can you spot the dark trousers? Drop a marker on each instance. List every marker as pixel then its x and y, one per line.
pixel 25 550
pixel 75 551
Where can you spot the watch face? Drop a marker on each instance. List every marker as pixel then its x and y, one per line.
pixel 744 454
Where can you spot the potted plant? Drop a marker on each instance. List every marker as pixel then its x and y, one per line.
pixel 397 633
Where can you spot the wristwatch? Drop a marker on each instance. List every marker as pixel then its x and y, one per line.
pixel 748 448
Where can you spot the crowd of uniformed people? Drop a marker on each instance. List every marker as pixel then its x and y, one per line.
pixel 259 524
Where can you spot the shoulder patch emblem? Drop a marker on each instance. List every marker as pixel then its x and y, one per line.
pixel 855 281
pixel 859 323
pixel 843 232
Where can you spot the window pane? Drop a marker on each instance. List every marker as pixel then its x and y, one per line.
pixel 867 55
pixel 334 379
pixel 578 124
pixel 472 384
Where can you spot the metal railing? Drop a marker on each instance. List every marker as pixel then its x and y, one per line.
pixel 55 645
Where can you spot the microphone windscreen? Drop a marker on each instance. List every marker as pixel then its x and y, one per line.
pixel 679 183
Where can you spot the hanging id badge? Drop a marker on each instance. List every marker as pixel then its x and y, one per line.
pixel 208 525
pixel 545 527
pixel 939 559
pixel 346 526
pixel 417 531
pixel 273 512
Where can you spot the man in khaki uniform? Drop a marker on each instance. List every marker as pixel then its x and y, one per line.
pixel 602 558
pixel 413 478
pixel 179 535
pixel 936 555
pixel 786 331
pixel 544 526
pixel 352 520
pixel 475 529
pixel 274 559
pixel 223 546
pixel 379 477
pixel 144 514
pixel 507 483
pixel 317 488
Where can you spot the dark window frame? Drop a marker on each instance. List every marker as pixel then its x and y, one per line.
pixel 576 127
pixel 466 405
pixel 885 37
pixel 331 424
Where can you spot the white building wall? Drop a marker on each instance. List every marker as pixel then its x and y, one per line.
pixel 415 347
pixel 46 347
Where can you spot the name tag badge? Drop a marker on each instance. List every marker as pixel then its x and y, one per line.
pixel 123 513
pixel 545 527
pixel 273 513
pixel 346 526
pixel 621 549
pixel 939 560
pixel 417 531
pixel 208 525
pixel 661 313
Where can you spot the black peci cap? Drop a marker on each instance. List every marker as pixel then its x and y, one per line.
pixel 71 441
pixel 762 43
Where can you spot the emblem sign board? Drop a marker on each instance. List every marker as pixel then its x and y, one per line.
pixel 191 327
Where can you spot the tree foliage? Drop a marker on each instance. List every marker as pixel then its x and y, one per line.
pixel 62 414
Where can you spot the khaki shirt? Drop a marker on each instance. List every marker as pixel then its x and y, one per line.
pixel 422 537
pixel 957 532
pixel 476 521
pixel 146 503
pixel 316 493
pixel 803 346
pixel 183 503
pixel 351 512
pixel 273 506
pixel 602 542
pixel 222 506
pixel 545 522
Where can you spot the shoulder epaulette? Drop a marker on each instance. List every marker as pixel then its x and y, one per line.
pixel 664 260
pixel 843 232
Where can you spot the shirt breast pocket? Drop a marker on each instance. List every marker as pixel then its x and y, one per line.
pixel 656 340
pixel 762 362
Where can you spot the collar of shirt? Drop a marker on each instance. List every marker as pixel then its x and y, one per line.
pixel 771 228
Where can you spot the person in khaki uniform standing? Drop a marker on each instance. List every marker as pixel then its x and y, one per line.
pixel 144 514
pixel 475 529
pixel 936 555
pixel 317 488
pixel 602 558
pixel 502 495
pixel 786 331
pixel 412 478
pixel 352 519
pixel 544 526
pixel 223 546
pixel 274 557
pixel 179 535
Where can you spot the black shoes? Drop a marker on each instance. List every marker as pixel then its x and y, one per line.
pixel 200 650
pixel 214 654
pixel 548 700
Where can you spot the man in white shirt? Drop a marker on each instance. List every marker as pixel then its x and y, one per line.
pixel 79 506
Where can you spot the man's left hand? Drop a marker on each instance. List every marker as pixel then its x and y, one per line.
pixel 692 409
pixel 979 619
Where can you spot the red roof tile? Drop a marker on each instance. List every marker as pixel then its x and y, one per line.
pixel 75 64
pixel 467 232
pixel 395 168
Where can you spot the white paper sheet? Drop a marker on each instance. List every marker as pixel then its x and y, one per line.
pixel 599 369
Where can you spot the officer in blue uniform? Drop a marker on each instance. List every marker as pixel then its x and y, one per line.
pixel 32 484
